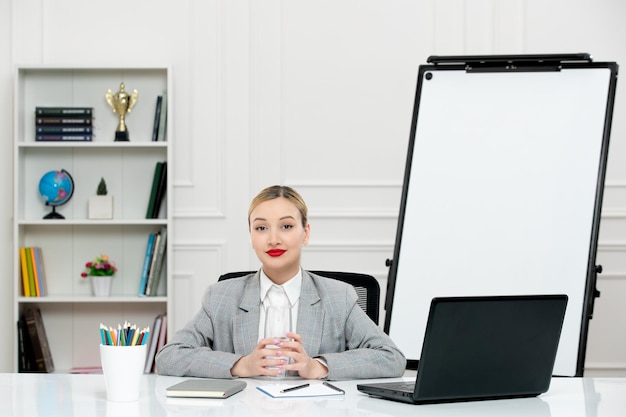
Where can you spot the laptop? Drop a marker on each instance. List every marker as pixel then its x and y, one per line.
pixel 481 348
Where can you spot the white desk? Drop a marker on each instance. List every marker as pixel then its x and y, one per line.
pixel 85 395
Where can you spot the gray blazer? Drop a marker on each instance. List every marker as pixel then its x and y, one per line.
pixel 330 321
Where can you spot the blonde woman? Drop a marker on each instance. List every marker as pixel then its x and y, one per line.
pixel 331 338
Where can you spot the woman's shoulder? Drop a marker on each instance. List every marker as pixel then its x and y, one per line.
pixel 234 283
pixel 328 283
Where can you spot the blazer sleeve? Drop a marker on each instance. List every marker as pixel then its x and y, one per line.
pixel 204 348
pixel 368 351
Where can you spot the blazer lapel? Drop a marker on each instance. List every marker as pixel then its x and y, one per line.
pixel 246 321
pixel 310 316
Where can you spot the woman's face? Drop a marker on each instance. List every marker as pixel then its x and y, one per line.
pixel 277 237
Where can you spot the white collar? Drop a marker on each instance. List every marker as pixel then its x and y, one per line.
pixel 292 287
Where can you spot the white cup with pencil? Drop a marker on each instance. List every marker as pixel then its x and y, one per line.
pixel 123 357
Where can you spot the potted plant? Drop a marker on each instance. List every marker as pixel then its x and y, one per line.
pixel 101 270
pixel 101 205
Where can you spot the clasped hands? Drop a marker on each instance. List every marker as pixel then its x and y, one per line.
pixel 257 362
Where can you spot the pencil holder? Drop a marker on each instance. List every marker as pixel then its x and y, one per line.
pixel 123 367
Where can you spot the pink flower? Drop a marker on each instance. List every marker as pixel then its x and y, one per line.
pixel 100 266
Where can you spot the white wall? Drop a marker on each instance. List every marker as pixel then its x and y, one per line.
pixel 317 95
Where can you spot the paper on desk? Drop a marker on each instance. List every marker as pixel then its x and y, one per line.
pixel 313 390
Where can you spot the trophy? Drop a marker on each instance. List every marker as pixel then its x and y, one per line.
pixel 121 103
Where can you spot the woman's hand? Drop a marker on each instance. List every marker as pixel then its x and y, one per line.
pixel 307 367
pixel 256 362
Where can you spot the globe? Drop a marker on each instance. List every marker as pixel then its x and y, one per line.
pixel 56 188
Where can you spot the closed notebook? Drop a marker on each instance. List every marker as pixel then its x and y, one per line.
pixel 205 388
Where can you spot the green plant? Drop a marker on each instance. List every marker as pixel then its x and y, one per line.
pixel 102 187
pixel 101 266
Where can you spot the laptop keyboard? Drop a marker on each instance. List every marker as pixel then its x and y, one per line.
pixel 401 386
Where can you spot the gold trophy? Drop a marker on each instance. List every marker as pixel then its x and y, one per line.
pixel 121 103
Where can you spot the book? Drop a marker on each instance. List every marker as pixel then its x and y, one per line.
pixel 78 112
pixel 52 137
pixel 146 264
pixel 163 121
pixel 25 277
pixel 162 338
pixel 31 276
pixel 154 189
pixel 41 271
pixel 25 349
pixel 154 339
pixel 149 284
pixel 30 252
pixel 160 195
pixel 312 389
pixel 205 388
pixel 65 121
pixel 157 118
pixel 65 130
pixel 159 254
pixel 39 340
pixel 86 370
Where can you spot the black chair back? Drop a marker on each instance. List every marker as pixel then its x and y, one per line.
pixel 366 287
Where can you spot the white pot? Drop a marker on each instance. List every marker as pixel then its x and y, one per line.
pixel 101 285
pixel 101 207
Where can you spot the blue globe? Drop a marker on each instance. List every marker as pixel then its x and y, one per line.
pixel 56 188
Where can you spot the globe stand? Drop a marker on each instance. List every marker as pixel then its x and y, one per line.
pixel 53 215
pixel 56 187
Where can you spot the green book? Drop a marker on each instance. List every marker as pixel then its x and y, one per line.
pixel 155 188
pixel 31 273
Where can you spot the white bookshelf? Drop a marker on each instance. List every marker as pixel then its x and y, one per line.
pixel 71 314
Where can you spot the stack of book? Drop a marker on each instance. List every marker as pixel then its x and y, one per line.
pixel 33 272
pixel 153 263
pixel 34 351
pixel 63 124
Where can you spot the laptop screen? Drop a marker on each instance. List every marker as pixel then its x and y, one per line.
pixel 492 346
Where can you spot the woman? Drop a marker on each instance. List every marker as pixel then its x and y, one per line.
pixel 333 337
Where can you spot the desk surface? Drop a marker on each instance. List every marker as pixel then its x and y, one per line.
pixel 85 395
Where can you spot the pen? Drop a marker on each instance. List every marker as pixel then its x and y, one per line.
pixel 294 388
pixel 329 385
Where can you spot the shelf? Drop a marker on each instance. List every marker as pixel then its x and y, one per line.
pixel 69 310
pixel 93 145
pixel 87 222
pixel 90 299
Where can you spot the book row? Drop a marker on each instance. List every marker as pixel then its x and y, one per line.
pixel 158 338
pixel 153 263
pixel 33 272
pixel 160 118
pixel 63 124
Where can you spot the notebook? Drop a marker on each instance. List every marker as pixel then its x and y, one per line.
pixel 205 388
pixel 483 347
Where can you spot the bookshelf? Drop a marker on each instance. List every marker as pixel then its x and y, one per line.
pixel 70 312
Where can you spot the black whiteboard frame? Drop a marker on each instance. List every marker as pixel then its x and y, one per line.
pixel 515 64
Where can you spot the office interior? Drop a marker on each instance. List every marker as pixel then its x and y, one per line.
pixel 315 95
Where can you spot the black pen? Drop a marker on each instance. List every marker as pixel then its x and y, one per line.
pixel 293 388
pixel 329 385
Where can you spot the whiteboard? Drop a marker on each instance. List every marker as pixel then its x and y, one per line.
pixel 502 194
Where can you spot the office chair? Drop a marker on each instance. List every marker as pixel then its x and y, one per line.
pixel 366 287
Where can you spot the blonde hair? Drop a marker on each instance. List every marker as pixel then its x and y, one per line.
pixel 278 191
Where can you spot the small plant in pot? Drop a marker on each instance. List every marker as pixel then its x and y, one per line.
pixel 101 205
pixel 101 270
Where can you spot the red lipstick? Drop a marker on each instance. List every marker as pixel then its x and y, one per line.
pixel 275 252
